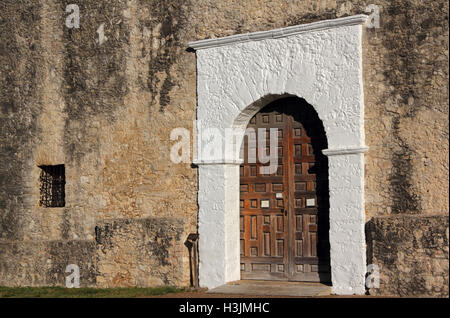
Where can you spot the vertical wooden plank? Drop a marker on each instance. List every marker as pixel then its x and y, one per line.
pixel 247 235
pixel 304 150
pixel 253 234
pixel 291 152
pixel 260 235
pixel 299 223
pixel 266 244
pixel 280 247
pixel 313 244
pixel 306 237
pixel 299 248
pixel 272 234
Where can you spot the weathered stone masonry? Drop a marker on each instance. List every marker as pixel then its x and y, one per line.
pixel 412 253
pixel 106 112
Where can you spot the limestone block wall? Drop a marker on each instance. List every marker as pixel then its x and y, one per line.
pixel 126 252
pixel 105 112
pixel 44 263
pixel 412 254
pixel 140 252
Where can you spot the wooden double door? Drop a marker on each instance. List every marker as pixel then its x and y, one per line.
pixel 284 219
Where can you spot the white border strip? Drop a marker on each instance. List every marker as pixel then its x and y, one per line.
pixel 218 162
pixel 279 33
pixel 344 151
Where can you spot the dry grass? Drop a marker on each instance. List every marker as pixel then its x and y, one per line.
pixel 61 292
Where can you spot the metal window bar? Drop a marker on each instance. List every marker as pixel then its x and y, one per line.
pixel 52 189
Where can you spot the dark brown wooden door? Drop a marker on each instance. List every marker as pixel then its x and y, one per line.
pixel 284 215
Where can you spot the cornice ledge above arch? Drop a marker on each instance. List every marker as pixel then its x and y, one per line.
pixel 345 151
pixel 218 162
pixel 279 33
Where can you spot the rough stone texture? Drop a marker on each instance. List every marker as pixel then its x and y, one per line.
pixel 97 109
pixel 141 252
pixel 44 263
pixel 412 254
pixel 125 252
pixel 406 93
pixel 20 56
pixel 106 111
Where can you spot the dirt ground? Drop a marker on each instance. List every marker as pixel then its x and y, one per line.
pixel 202 293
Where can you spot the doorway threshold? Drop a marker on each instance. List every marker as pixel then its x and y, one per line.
pixel 273 288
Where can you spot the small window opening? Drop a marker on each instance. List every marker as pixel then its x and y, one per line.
pixel 53 181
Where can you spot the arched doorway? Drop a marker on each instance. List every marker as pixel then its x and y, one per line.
pixel 320 62
pixel 284 214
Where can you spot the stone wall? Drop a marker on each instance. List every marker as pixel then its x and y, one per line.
pixel 406 99
pixel 411 253
pixel 106 112
pixel 126 252
pixel 44 263
pixel 141 252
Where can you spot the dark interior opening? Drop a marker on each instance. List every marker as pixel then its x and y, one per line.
pixel 52 186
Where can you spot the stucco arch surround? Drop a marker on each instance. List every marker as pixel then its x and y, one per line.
pixel 236 76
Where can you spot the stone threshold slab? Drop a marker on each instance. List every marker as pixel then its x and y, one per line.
pixel 273 288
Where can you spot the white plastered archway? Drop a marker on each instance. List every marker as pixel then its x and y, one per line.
pixel 320 62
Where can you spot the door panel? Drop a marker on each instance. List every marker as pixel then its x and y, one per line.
pixel 264 228
pixel 281 213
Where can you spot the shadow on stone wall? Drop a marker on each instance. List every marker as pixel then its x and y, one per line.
pixel 126 252
pixel 412 254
